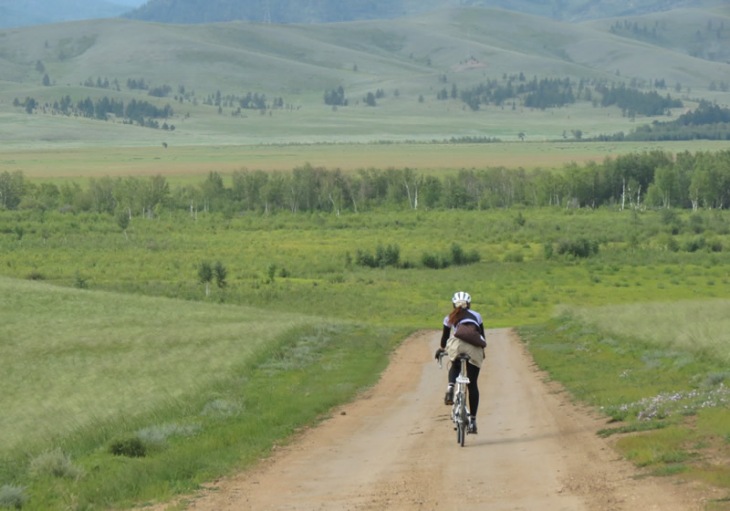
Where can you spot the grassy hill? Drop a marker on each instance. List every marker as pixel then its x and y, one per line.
pixel 407 60
pixel 320 11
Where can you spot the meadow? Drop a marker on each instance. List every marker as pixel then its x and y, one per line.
pixel 127 381
pixel 114 346
pixel 188 163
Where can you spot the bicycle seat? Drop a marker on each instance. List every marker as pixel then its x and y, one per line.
pixel 463 356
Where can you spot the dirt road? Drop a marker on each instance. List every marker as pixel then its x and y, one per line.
pixel 395 449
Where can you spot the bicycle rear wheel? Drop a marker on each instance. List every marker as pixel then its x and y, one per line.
pixel 455 417
pixel 462 418
pixel 463 423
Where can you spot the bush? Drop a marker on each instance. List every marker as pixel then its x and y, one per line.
pixel 12 496
pixel 695 244
pixel 515 256
pixel 36 275
pixel 457 257
pixel 548 250
pixel 131 447
pixel 54 463
pixel 580 247
pixel 434 261
pixel 697 224
pixel 667 242
pixel 460 258
pixel 155 437
pixel 384 256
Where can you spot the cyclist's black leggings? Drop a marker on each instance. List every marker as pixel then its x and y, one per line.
pixel 472 372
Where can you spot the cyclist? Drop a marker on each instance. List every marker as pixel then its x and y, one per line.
pixel 461 314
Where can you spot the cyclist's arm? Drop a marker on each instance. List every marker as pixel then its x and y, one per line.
pixel 445 335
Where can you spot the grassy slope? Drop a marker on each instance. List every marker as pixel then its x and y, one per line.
pixel 300 62
pixel 86 357
pixel 200 388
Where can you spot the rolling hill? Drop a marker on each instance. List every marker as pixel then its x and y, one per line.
pixel 39 12
pixel 323 11
pixel 204 71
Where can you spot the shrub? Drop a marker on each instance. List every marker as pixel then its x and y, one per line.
pixel 434 261
pixel 548 250
pixel 54 463
pixel 695 244
pixel 81 282
pixel 580 247
pixel 388 255
pixel 363 258
pixel 667 242
pixel 155 437
pixel 697 224
pixel 12 496
pixel 514 256
pixel 520 220
pixel 714 245
pixel 131 447
pixel 460 258
pixel 457 257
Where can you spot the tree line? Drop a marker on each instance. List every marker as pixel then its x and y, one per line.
pixel 546 93
pixel 135 111
pixel 633 102
pixel 707 122
pixel 650 179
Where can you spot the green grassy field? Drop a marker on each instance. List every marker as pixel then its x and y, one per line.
pixel 111 399
pixel 126 383
pixel 134 335
pixel 83 360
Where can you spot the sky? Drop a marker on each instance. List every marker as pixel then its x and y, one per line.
pixel 131 3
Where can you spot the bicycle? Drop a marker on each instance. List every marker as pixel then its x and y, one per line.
pixel 460 408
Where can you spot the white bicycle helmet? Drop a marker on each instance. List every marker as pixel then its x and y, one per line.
pixel 461 299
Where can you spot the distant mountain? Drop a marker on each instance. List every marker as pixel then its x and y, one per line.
pixel 460 72
pixel 324 11
pixel 274 11
pixel 17 13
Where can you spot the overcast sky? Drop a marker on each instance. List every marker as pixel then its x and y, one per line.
pixel 131 3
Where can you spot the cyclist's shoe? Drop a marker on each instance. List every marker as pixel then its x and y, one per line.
pixel 449 397
pixel 473 426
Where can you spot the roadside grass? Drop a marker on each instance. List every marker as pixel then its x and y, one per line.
pixel 210 399
pixel 667 403
pixel 671 325
pixel 83 357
